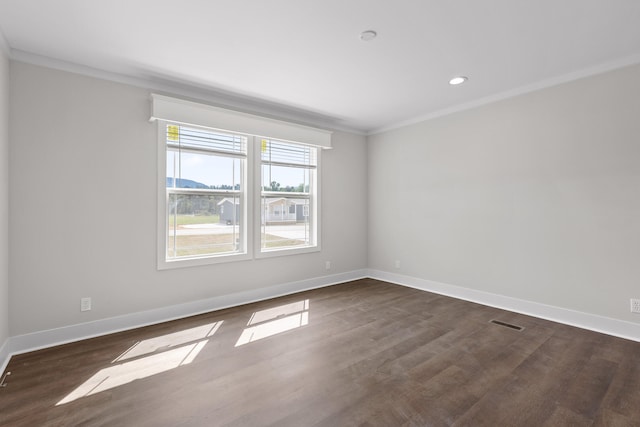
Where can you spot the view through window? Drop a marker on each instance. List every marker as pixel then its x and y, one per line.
pixel 210 202
pixel 288 177
pixel 205 192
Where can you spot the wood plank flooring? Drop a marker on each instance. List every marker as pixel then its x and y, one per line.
pixel 364 353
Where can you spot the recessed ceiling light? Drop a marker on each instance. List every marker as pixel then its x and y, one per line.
pixel 458 80
pixel 368 35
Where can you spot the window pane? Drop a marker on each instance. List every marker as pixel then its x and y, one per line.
pixel 200 225
pixel 288 175
pixel 285 222
pixel 288 179
pixel 202 170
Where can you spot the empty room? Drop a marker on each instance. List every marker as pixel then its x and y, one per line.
pixel 320 213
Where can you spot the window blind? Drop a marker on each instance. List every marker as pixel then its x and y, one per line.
pixel 195 139
pixel 279 153
pixel 195 114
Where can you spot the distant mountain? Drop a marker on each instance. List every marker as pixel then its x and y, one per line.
pixel 185 183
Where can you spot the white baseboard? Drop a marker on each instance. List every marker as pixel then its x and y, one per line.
pixel 4 356
pixel 42 339
pixel 593 322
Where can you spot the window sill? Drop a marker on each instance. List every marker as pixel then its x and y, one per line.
pixel 271 253
pixel 201 261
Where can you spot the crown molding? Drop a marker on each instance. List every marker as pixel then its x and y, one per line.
pixel 167 85
pixel 543 84
pixel 245 104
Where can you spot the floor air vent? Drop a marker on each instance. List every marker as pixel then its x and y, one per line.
pixel 507 325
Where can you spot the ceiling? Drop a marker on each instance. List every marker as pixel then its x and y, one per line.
pixel 304 58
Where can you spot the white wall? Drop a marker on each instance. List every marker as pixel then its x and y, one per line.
pixel 4 195
pixel 83 208
pixel 536 197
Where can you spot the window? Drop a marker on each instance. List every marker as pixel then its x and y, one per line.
pixel 205 192
pixel 227 195
pixel 288 190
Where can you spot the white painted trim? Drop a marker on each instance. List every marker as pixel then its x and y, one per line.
pixel 52 337
pixel 315 208
pixel 4 348
pixel 592 322
pixel 275 111
pixel 554 81
pixel 4 356
pixel 161 237
pixel 195 92
pixel 49 338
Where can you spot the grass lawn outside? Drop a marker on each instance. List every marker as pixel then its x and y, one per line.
pixel 205 244
pixel 195 219
pixel 202 244
pixel 272 241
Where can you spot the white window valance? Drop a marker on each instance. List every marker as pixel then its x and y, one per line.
pixel 193 113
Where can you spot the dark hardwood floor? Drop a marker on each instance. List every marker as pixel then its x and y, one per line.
pixel 362 353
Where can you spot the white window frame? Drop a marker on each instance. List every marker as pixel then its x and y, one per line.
pixel 245 220
pixel 314 209
pixel 166 110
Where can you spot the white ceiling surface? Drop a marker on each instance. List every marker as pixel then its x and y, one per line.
pixel 305 56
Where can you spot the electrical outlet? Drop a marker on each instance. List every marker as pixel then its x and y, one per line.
pixel 397 263
pixel 85 304
pixel 635 305
pixel 327 265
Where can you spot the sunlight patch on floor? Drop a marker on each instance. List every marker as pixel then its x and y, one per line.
pixel 168 341
pixel 272 321
pixel 150 357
